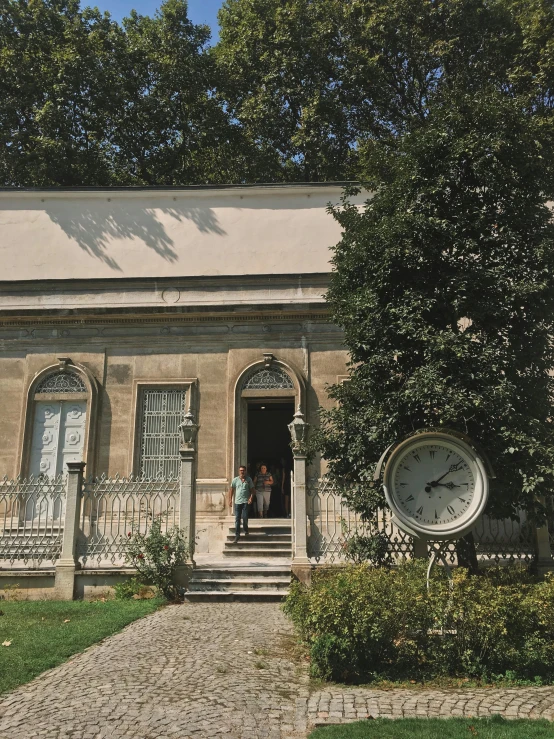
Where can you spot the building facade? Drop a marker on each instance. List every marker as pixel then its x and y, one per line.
pixel 123 310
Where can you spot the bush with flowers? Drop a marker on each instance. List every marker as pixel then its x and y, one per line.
pixel 156 556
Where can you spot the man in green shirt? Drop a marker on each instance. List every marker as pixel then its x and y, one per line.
pixel 242 487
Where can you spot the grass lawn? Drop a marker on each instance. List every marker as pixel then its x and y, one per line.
pixel 42 634
pixel 454 728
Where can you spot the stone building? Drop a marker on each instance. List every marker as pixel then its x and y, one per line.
pixel 123 309
pixel 162 337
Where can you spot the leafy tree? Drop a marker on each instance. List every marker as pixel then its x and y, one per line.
pixel 444 280
pixel 58 89
pixel 86 101
pixel 171 129
pixel 315 83
pixel 282 77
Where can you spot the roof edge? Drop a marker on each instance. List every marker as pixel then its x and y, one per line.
pixel 184 188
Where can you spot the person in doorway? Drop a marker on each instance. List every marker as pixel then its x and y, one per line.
pixel 242 488
pixel 263 482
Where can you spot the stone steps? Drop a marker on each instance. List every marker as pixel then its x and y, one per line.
pixel 256 552
pixel 241 584
pixel 256 581
pixel 267 538
pixel 246 596
pixel 258 538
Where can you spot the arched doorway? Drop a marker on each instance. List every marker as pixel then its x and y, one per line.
pixel 267 395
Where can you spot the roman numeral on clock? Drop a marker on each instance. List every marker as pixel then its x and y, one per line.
pixel 432 453
pixel 409 498
pixel 450 510
pixel 420 510
pixel 417 458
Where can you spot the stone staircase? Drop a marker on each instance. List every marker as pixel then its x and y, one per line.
pixel 268 537
pixel 257 568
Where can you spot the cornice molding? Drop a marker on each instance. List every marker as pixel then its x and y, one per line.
pixel 97 321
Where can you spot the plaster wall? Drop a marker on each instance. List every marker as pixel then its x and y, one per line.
pixel 60 235
pixel 213 365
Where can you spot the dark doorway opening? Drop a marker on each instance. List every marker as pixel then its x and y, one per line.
pixel 269 443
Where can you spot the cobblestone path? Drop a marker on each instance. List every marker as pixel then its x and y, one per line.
pixel 193 670
pixel 210 670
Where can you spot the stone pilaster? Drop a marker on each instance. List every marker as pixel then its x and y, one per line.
pixel 67 563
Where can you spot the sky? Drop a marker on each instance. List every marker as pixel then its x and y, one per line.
pixel 200 11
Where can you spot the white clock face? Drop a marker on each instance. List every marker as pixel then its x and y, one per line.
pixel 435 485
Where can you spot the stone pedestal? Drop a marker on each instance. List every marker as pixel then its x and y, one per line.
pixel 300 520
pixel 302 572
pixel 187 497
pixel 543 559
pixel 420 548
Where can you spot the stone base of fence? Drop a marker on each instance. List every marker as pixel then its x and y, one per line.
pixel 88 584
pixel 65 580
pixel 302 573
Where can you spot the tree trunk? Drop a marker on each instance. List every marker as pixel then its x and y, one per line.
pixel 467 554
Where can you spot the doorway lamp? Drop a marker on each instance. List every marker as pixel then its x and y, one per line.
pixel 298 431
pixel 188 429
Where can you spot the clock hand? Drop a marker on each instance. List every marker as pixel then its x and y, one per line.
pixel 453 468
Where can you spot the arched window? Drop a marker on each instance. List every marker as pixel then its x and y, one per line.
pixel 59 423
pixel 272 378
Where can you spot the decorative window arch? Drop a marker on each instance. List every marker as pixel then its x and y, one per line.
pixel 268 378
pixel 61 382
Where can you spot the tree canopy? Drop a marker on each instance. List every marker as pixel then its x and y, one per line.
pixel 86 101
pixel 444 281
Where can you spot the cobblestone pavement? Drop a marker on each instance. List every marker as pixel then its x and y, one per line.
pixel 341 705
pixel 209 670
pixel 193 670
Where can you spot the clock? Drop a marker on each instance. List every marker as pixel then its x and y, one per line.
pixel 436 485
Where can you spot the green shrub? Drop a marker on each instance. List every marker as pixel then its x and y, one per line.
pixel 130 588
pixel 364 623
pixel 156 556
pixel 373 549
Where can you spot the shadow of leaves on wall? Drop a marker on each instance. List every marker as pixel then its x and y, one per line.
pixel 95 227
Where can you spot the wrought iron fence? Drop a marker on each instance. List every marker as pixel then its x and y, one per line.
pixel 332 524
pixel 500 541
pixel 31 519
pixel 113 508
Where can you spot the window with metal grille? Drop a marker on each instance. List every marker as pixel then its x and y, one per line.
pixel 162 412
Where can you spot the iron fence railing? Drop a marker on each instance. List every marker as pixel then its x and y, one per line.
pixel 31 520
pixel 113 508
pixel 332 524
